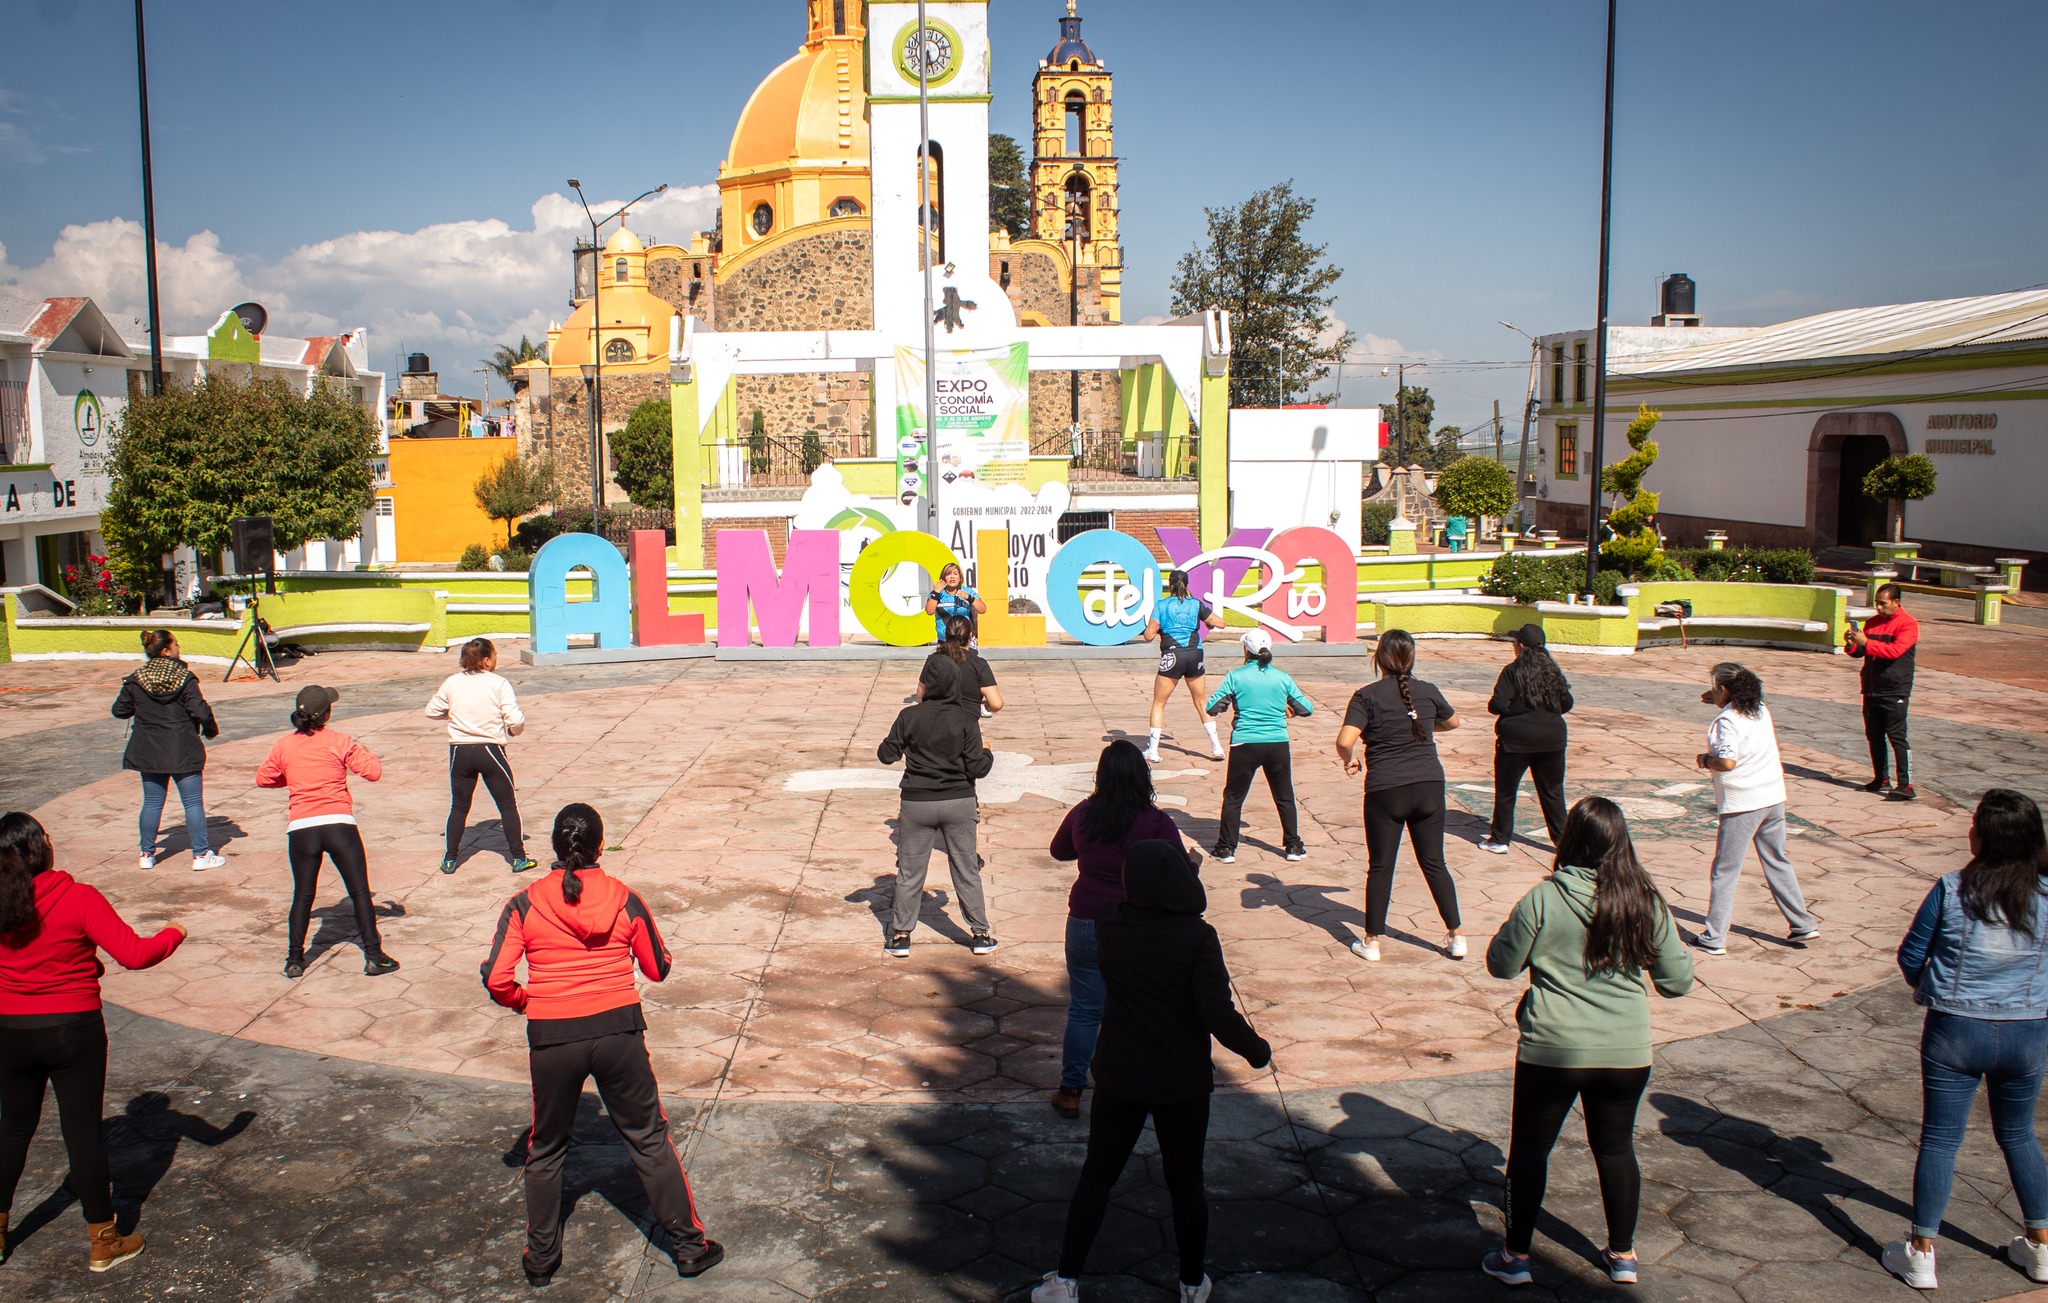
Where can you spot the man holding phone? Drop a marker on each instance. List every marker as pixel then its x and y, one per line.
pixel 1885 644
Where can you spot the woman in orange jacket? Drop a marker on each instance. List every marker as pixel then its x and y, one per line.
pixel 581 933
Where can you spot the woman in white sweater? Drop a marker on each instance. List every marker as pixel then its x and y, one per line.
pixel 481 713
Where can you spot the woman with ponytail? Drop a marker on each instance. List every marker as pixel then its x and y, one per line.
pixel 1178 621
pixel 313 763
pixel 581 933
pixel 1265 699
pixel 1397 718
pixel 975 677
pixel 1749 796
pixel 1587 935
pixel 52 1034
pixel 169 717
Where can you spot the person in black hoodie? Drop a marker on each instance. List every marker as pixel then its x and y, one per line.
pixel 1167 994
pixel 1531 699
pixel 170 717
pixel 939 742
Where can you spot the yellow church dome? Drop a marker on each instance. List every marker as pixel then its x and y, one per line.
pixel 800 149
pixel 624 241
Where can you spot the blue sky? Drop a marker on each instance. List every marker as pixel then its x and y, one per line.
pixel 403 165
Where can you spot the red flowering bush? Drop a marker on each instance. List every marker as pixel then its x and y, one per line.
pixel 93 587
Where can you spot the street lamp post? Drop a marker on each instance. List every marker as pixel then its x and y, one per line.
pixel 1600 328
pixel 595 371
pixel 1074 291
pixel 1528 415
pixel 156 334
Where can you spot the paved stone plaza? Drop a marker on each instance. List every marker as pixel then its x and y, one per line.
pixel 861 1127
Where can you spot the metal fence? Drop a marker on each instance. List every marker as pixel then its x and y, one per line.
pixel 769 461
pixel 1099 455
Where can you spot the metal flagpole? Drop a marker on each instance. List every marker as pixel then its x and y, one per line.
pixel 1600 330
pixel 156 334
pixel 926 220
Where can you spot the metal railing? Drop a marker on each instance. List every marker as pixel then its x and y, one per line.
pixel 771 461
pixel 1100 455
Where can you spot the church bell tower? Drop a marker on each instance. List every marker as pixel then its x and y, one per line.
pixel 1074 164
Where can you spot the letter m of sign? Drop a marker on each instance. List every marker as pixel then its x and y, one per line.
pixel 748 584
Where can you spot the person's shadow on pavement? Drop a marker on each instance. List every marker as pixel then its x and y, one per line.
pixel 142 1143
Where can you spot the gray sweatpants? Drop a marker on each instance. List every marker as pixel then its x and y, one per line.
pixel 920 825
pixel 1765 827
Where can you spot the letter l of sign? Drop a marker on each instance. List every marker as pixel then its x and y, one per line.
pixel 654 625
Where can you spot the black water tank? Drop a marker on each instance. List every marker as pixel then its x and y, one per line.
pixel 1678 295
pixel 416 364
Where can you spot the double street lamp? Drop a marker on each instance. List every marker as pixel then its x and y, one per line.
pixel 593 370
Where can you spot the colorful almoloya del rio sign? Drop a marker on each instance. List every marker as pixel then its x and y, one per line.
pixel 1101 585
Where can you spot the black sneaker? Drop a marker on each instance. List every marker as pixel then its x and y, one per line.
pixel 1877 786
pixel 295 967
pixel 379 964
pixel 1223 854
pixel 1903 792
pixel 539 1279
pixel 898 945
pixel 705 1259
pixel 982 944
pixel 448 865
pixel 1296 851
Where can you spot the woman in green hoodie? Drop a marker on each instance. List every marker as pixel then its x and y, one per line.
pixel 1588 934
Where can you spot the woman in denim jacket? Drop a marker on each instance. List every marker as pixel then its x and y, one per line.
pixel 1977 957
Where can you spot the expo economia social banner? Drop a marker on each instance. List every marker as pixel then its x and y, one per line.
pixel 984 417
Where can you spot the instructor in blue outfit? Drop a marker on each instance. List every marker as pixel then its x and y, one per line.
pixel 1178 620
pixel 953 597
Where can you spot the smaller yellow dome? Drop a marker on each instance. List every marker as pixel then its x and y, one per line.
pixel 624 241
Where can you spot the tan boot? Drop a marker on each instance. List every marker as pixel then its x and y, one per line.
pixel 109 1246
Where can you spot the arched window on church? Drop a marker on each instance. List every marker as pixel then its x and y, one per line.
pixel 619 271
pixel 931 214
pixel 618 350
pixel 839 17
pixel 1077 123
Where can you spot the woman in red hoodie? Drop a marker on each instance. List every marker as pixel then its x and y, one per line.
pixel 52 928
pixel 314 762
pixel 581 932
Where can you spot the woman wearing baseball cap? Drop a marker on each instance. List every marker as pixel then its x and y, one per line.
pixel 313 762
pixel 1266 699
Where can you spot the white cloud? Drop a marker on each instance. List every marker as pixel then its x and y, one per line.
pixel 454 289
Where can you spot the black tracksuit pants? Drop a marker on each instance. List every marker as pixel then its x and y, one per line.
pixel 1418 808
pixel 342 843
pixel 467 762
pixel 1114 1125
pixel 1543 1099
pixel 632 1098
pixel 1246 760
pixel 70 1057
pixel 1884 721
pixel 1547 769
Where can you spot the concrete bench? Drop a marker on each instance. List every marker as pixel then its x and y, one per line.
pixel 1777 623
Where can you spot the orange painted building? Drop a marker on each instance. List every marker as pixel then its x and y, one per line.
pixel 433 508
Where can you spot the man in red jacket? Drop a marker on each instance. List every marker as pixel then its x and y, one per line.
pixel 1885 644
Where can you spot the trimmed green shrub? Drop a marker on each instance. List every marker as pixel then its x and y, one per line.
pixel 474 557
pixel 515 558
pixel 813 451
pixel 536 530
pixel 1527 577
pixel 1475 486
pixel 1788 565
pixel 1634 547
pixel 1373 520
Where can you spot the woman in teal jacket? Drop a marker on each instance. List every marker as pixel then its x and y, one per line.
pixel 1588 934
pixel 1265 698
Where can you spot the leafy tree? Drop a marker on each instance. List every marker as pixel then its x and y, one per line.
pixel 645 452
pixel 1476 486
pixel 1635 546
pixel 513 488
pixel 1408 424
pixel 1897 480
pixel 813 451
pixel 1278 290
pixel 1009 190
pixel 186 462
pixel 505 357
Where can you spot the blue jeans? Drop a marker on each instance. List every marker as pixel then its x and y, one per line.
pixel 191 790
pixel 1955 1052
pixel 1084 1004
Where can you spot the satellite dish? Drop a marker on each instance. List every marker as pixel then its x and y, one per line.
pixel 254 318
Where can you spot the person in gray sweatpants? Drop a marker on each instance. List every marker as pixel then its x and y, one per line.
pixel 1749 794
pixel 939 742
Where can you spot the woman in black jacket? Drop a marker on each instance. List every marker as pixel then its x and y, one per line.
pixel 1167 993
pixel 939 743
pixel 162 698
pixel 1531 699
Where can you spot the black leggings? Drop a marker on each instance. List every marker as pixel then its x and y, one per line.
pixel 1246 760
pixel 1884 721
pixel 1547 768
pixel 71 1057
pixel 467 762
pixel 1419 808
pixel 342 843
pixel 1543 1097
pixel 1114 1125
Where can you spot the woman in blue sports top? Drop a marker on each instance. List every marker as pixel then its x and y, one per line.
pixel 1177 622
pixel 953 597
pixel 1265 699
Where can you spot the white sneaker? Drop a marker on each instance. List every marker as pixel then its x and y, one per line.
pixel 1367 949
pixel 1056 1288
pixel 1454 946
pixel 210 860
pixel 1151 755
pixel 148 861
pixel 1493 847
pixel 1195 1293
pixel 1916 1269
pixel 1216 752
pixel 2029 1257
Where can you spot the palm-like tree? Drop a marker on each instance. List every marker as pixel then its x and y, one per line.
pixel 505 357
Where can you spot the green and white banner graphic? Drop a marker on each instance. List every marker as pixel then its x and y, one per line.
pixel 984 417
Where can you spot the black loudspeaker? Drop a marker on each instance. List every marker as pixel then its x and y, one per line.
pixel 255 550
